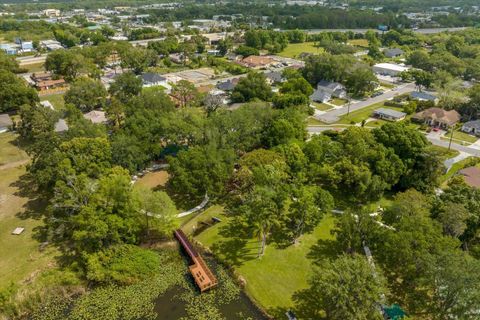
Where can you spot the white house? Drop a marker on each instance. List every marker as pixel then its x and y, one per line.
pixel 151 79
pixel 389 69
pixel 327 90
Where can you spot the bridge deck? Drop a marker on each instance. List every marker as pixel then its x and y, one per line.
pixel 203 276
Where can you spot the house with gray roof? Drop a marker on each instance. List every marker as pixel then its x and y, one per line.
pixel 389 114
pixel 393 53
pixel 151 79
pixel 274 77
pixel 228 85
pixel 327 90
pixel 5 122
pixel 424 96
pixel 472 127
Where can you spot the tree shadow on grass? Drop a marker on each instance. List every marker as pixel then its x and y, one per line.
pixel 324 249
pixel 233 246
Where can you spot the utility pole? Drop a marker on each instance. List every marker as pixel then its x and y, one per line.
pixel 452 128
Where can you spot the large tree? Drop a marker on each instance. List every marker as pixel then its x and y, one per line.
pixel 14 92
pixel 86 94
pixel 126 86
pixel 254 86
pixel 346 288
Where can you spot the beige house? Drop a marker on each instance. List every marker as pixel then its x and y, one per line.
pixel 436 117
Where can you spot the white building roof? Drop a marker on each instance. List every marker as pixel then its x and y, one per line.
pixel 391 66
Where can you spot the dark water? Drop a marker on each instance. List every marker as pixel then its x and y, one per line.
pixel 168 307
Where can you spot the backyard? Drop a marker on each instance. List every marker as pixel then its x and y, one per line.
pixel 56 100
pixel 21 258
pixel 293 50
pixel 365 113
pixel 272 279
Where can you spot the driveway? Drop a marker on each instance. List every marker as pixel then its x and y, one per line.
pixel 334 115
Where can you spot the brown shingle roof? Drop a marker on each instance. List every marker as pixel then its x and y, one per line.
pixel 440 115
pixel 472 176
pixel 257 61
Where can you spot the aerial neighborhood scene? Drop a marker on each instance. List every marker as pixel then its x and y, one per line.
pixel 240 160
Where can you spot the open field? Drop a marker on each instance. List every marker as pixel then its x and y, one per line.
pixel 21 261
pixel 359 43
pixel 8 151
pixel 272 279
pixel 56 100
pixel 154 179
pixel 294 49
pixel 35 67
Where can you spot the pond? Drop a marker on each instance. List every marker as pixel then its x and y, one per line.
pixel 170 307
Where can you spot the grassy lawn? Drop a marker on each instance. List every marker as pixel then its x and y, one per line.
pixel 294 49
pixel 9 152
pixel 314 122
pixel 56 100
pixel 153 180
pixel 275 277
pixel 444 153
pixel 461 137
pixel 359 43
pixel 21 261
pixel 365 113
pixel 35 67
pixel 321 106
pixel 338 102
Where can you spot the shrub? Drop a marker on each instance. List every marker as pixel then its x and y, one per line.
pixel 122 264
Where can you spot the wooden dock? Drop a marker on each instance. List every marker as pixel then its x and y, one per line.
pixel 203 276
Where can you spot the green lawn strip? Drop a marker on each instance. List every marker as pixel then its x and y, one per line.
pixel 21 258
pixel 338 102
pixel 8 151
pixel 461 137
pixel 295 49
pixel 56 100
pixel 365 113
pixel 444 153
pixel 363 43
pixel 322 106
pixel 35 67
pixel 275 277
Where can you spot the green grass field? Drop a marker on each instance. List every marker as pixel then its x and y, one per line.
pixel 294 49
pixel 9 152
pixel 338 102
pixel 359 43
pixel 35 67
pixel 21 261
pixel 272 279
pixel 56 100
pixel 363 114
pixel 321 106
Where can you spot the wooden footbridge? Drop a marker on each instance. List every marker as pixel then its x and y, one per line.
pixel 204 278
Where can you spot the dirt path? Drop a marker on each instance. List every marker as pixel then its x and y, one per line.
pixel 14 164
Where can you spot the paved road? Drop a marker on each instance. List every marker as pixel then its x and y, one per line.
pixel 334 115
pixel 443 143
pixel 31 59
